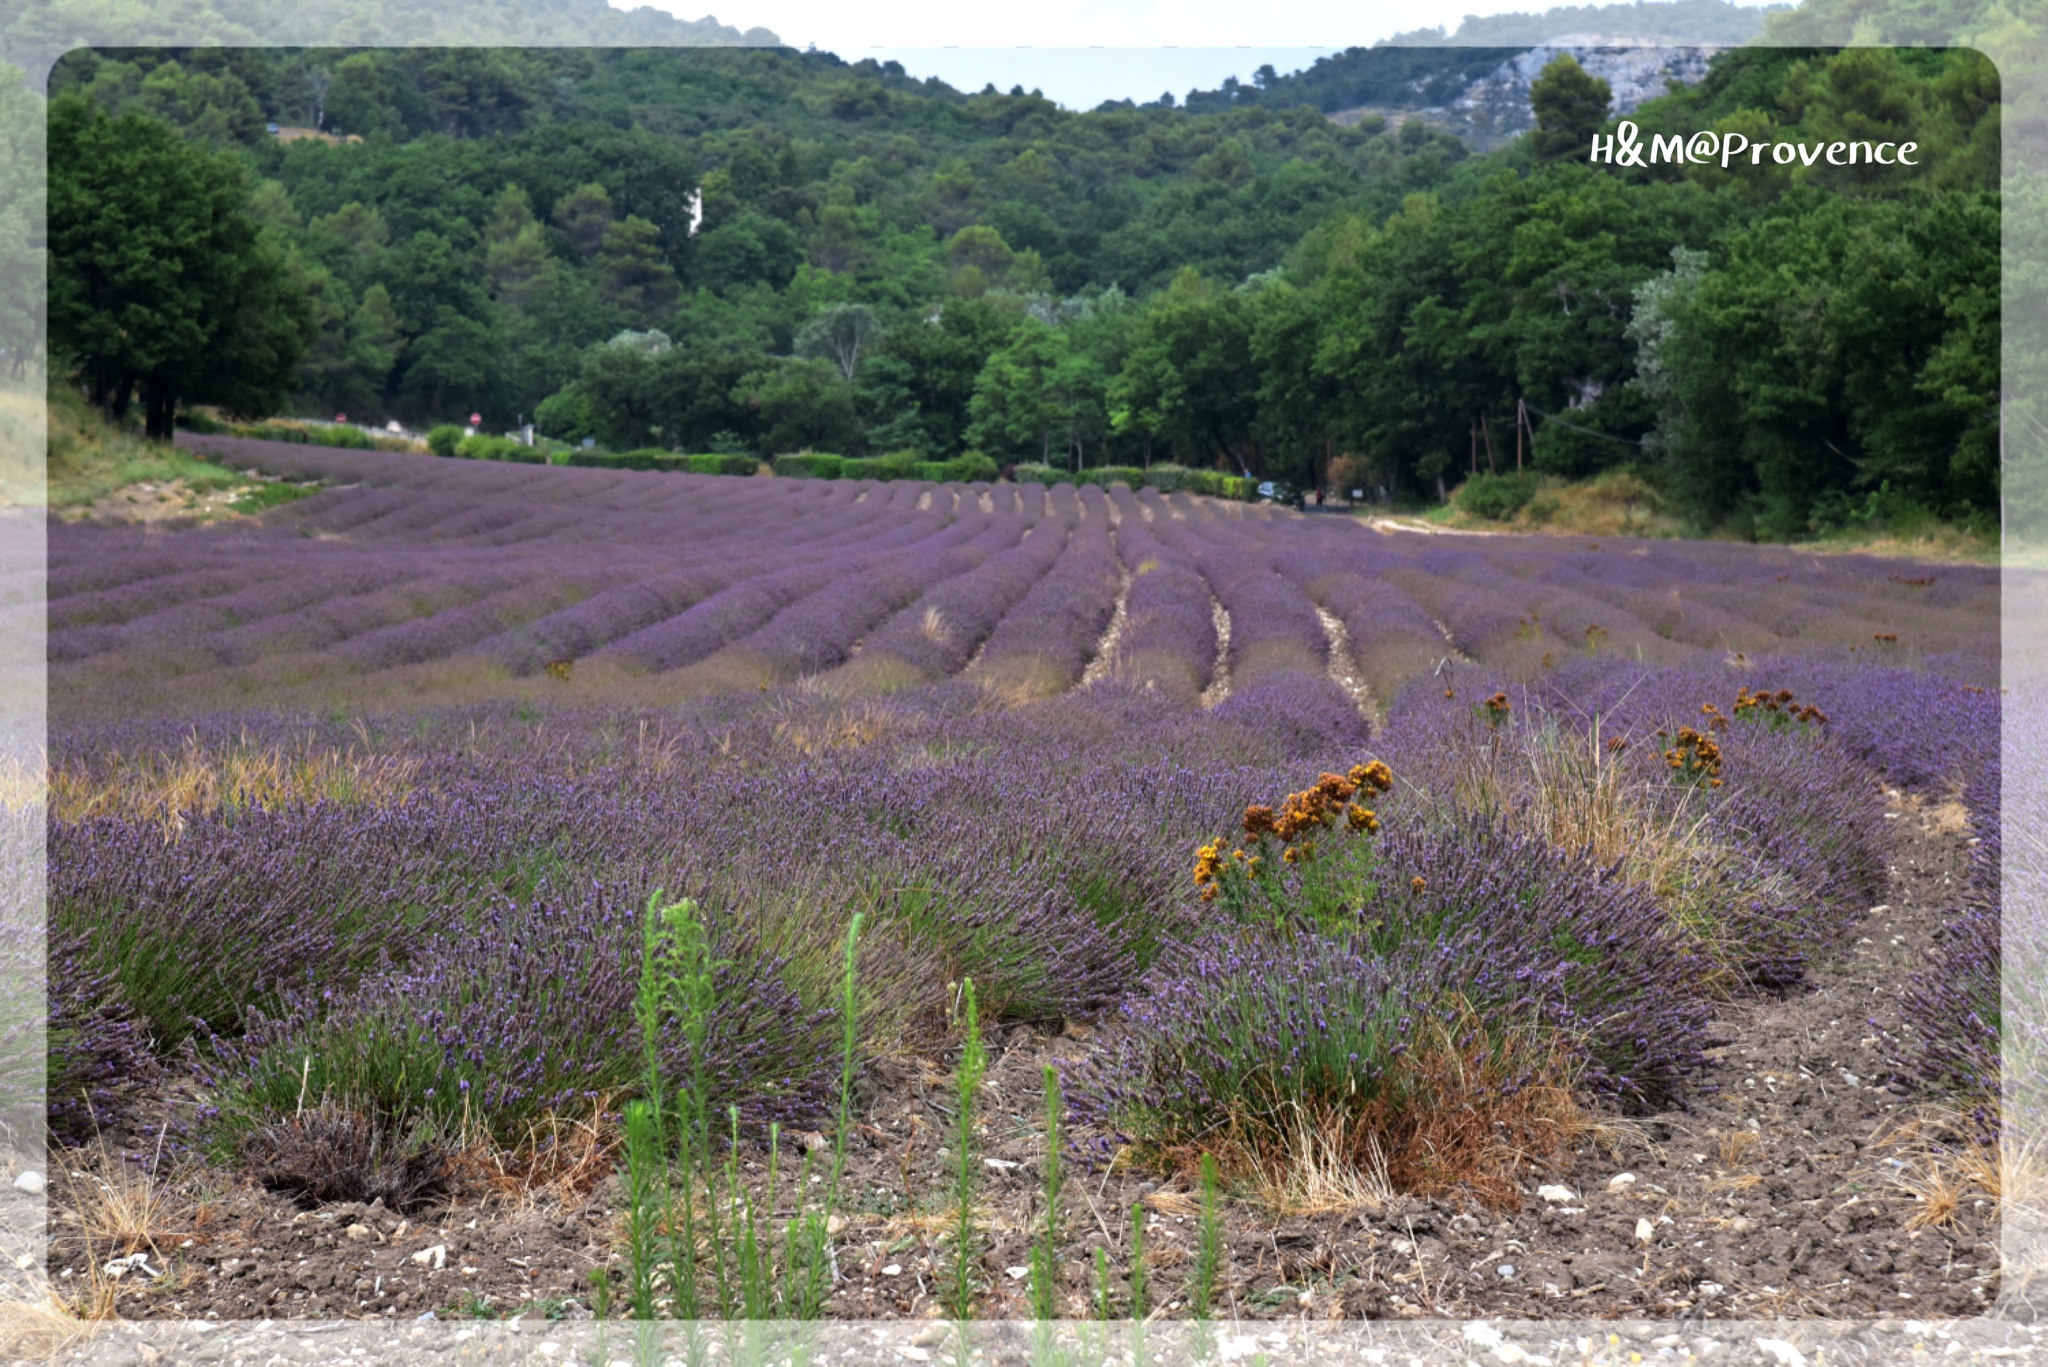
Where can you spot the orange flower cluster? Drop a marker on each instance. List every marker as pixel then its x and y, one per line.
pixel 1496 709
pixel 1301 815
pixel 1772 706
pixel 1695 756
pixel 1890 638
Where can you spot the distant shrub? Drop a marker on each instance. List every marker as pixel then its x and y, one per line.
pixel 1178 479
pixel 1106 475
pixel 809 465
pixel 565 416
pixel 1169 479
pixel 499 448
pixel 1497 497
pixel 895 465
pixel 961 469
pixel 442 440
pixel 649 458
pixel 202 423
pixel 722 463
pixel 1031 472
pixel 347 438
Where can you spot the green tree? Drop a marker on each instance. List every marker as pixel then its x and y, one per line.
pixel 841 334
pixel 1018 397
pixel 631 272
pixel 161 281
pixel 585 215
pixel 1570 104
pixel 800 405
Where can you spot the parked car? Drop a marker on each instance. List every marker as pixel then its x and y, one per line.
pixel 1279 491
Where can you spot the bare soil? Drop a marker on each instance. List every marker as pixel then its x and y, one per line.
pixel 1778 1196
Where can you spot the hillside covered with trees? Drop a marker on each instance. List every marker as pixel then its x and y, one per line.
pixel 764 250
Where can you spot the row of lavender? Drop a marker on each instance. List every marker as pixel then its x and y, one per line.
pixel 504 570
pixel 470 951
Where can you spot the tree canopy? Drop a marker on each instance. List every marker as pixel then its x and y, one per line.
pixel 847 258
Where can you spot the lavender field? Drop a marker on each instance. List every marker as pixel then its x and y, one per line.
pixel 1301 870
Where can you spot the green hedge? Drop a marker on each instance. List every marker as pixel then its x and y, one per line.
pixel 442 440
pixel 720 463
pixel 499 448
pixel 302 434
pixel 970 468
pixel 894 465
pixel 1165 478
pixel 808 465
pixel 646 458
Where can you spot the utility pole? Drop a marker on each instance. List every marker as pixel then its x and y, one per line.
pixel 1521 421
pixel 1488 433
pixel 1475 447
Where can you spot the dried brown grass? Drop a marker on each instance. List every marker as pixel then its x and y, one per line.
pixel 559 1157
pixel 39 1330
pixel 1572 789
pixel 1941 1165
pixel 167 787
pixel 1327 1172
pixel 121 1207
pixel 1470 1111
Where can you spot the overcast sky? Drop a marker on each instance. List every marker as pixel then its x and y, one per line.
pixel 1082 52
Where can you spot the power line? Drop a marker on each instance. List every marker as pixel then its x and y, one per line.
pixel 1552 417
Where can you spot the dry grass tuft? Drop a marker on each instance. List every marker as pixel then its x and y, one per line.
pixel 23 783
pixel 122 1210
pixel 1323 1174
pixel 1573 790
pixel 168 787
pixel 1735 1146
pixel 1941 1165
pixel 121 1207
pixel 851 728
pixel 560 1157
pixel 1471 1112
pixel 1168 1201
pixel 37 1331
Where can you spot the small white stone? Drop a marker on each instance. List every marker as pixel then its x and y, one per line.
pixel 1556 1195
pixel 1506 1270
pixel 999 1164
pixel 1017 1274
pixel 893 1270
pixel 1785 1353
pixel 1620 1180
pixel 931 1334
pixel 433 1255
pixel 31 1182
pixel 1480 1334
pixel 1645 1231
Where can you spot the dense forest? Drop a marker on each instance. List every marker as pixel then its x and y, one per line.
pixel 764 250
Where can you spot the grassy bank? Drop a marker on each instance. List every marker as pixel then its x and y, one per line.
pixel 91 460
pixel 1626 503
